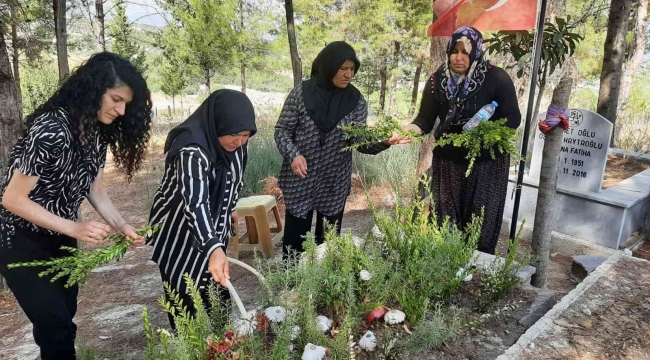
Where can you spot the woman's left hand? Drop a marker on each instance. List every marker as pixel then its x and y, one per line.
pixel 129 232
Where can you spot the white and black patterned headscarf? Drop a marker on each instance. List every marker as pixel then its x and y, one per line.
pixel 460 86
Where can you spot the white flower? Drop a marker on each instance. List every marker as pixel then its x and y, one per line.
pixel 377 233
pixel 314 352
pixel 394 317
pixel 276 314
pixel 368 341
pixel 323 323
pixel 365 275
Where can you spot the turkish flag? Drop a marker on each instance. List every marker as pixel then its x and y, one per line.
pixel 483 15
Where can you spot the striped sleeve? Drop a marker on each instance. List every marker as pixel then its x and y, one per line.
pixel 233 204
pixel 43 145
pixel 194 183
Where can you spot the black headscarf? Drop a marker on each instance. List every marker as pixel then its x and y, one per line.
pixel 224 112
pixel 327 104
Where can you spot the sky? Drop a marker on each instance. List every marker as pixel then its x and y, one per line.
pixel 145 12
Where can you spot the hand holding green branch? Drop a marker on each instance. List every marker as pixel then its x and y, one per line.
pixel 486 136
pixel 81 262
pixel 361 135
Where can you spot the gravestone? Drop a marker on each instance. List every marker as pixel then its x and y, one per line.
pixel 584 151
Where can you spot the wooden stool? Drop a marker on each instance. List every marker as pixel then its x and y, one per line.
pixel 258 230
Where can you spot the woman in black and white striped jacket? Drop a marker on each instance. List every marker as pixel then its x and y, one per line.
pixel 204 167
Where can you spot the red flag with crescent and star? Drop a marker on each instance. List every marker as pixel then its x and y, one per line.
pixel 484 15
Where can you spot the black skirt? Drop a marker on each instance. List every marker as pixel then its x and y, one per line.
pixel 459 197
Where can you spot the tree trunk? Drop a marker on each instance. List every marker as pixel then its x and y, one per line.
pixel 10 125
pixel 425 157
pixel 393 80
pixel 610 77
pixel 16 66
pixel 547 186
pixel 207 81
pixel 383 78
pixel 416 86
pixel 242 49
pixel 296 64
pixel 60 30
pixel 438 52
pixel 243 78
pixel 637 55
pixel 174 103
pixel 99 10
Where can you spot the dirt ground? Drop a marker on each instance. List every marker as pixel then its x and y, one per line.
pixel 610 321
pixel 498 330
pixel 619 169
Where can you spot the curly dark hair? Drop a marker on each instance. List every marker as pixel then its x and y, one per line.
pixel 81 95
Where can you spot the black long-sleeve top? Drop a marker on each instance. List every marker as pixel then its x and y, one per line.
pixel 497 86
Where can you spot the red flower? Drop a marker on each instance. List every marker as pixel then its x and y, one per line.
pixel 230 335
pixel 222 348
pixel 261 321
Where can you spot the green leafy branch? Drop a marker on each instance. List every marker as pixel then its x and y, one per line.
pixel 486 136
pixel 361 135
pixel 81 262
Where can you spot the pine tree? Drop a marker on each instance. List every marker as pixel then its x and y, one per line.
pixel 124 43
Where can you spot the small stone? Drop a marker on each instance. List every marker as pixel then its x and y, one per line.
pixel 394 317
pixel 585 323
pixel 583 265
pixel 586 311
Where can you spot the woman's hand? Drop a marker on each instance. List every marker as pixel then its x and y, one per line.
pixel 218 266
pixel 131 234
pixel 299 166
pixel 91 232
pixel 398 139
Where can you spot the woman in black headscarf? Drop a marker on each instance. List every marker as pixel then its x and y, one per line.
pixel 316 172
pixel 204 168
pixel 454 93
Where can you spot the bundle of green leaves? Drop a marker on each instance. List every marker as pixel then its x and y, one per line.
pixel 488 135
pixel 81 262
pixel 360 135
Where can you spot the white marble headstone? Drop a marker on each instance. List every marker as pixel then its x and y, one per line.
pixel 584 151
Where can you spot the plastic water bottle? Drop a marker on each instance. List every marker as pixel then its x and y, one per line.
pixel 484 114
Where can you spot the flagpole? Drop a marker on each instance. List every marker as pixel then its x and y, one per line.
pixel 529 114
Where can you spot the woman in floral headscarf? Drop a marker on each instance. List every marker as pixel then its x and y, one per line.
pixel 453 94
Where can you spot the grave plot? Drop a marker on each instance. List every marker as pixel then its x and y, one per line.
pixel 583 209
